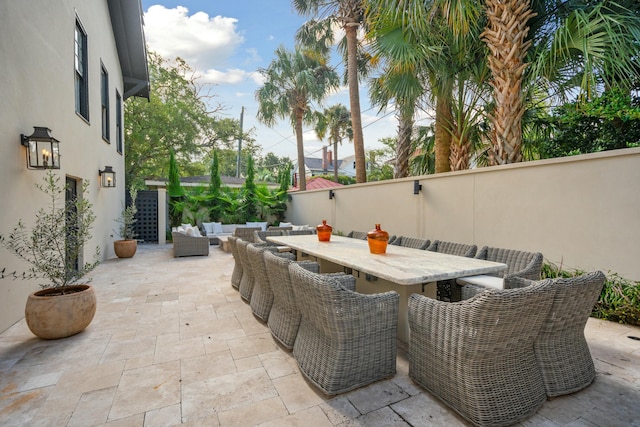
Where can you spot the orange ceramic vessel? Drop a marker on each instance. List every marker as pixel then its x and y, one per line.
pixel 324 231
pixel 377 240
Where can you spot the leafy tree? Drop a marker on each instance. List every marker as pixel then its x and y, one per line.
pixel 293 81
pixel 249 190
pixel 175 191
pixel 424 160
pixel 215 183
pixel 336 121
pixel 348 15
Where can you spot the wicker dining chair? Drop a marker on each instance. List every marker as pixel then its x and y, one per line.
pixel 300 232
pixel 248 278
pixel 236 276
pixel 477 355
pixel 362 235
pixel 261 236
pixel 262 295
pixel 284 318
pixel 346 340
pixel 411 242
pixel 561 348
pixel 246 233
pixel 448 290
pixel 523 264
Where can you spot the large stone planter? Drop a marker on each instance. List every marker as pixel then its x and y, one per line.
pixel 50 315
pixel 125 248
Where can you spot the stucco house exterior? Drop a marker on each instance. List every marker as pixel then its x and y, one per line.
pixel 68 66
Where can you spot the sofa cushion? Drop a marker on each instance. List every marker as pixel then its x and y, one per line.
pixel 300 227
pixel 285 224
pixel 208 227
pixel 217 228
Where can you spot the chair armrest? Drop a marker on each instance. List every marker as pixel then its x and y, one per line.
pixel 514 282
pixel 531 271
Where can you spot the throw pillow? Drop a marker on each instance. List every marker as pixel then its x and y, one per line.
pixel 285 224
pixel 208 227
pixel 262 225
pixel 217 228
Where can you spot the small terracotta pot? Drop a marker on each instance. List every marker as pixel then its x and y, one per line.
pixel 125 248
pixel 50 315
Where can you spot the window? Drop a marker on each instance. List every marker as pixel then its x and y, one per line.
pixel 81 80
pixel 104 96
pixel 119 130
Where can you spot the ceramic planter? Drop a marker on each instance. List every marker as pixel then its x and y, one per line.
pixel 125 248
pixel 50 315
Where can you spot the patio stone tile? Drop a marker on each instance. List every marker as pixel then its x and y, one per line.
pixel 144 389
pixel 163 417
pixel 339 410
pixel 309 417
pixel 207 366
pixel 223 393
pixel 279 364
pixel 209 421
pixel 297 394
pixel 381 417
pixel 133 421
pixel 19 409
pixel 253 414
pixel 425 410
pixel 376 395
pixel 93 408
pixel 176 350
pixel 74 382
pixel 150 325
pixel 250 323
pixel 252 345
pixel 407 385
pixel 139 362
pixel 125 349
pixel 248 363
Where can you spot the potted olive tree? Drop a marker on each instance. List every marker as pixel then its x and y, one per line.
pixel 127 245
pixel 53 247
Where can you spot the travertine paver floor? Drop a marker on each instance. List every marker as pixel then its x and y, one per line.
pixel 172 343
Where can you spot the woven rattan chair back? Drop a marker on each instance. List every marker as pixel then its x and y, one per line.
pixel 284 318
pixel 236 276
pixel 346 340
pixel 362 235
pixel 262 294
pixel 246 233
pixel 261 236
pixel 299 232
pixel 519 263
pixel 449 290
pixel 487 371
pixel 411 242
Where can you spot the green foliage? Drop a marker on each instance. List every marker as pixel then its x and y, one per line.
pixel 610 121
pixel 128 218
pixel 249 191
pixel 342 179
pixel 175 192
pixel 215 182
pixel 56 239
pixel 619 300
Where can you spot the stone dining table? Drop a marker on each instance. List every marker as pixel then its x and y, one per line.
pixel 404 270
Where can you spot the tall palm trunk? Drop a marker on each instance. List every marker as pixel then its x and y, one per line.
pixel 505 37
pixel 302 178
pixel 403 148
pixel 442 135
pixel 351 29
pixel 335 160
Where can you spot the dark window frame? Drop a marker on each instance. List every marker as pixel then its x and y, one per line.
pixel 104 101
pixel 119 122
pixel 81 71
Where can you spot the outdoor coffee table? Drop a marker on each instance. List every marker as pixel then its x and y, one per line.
pixel 404 270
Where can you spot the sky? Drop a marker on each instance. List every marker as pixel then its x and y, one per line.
pixel 226 42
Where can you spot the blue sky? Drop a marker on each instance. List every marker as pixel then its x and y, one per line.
pixel 226 42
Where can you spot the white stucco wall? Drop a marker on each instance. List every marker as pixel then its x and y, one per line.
pixel 37 89
pixel 582 212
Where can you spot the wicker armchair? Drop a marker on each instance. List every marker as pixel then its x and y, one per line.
pixel 184 245
pixel 261 236
pixel 284 319
pixel 362 235
pixel 236 276
pixel 246 233
pixel 262 294
pixel 248 277
pixel 527 265
pixel 477 355
pixel 411 242
pixel 346 340
pixel 300 232
pixel 561 348
pixel 448 290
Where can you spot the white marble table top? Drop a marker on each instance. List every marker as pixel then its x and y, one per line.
pixel 404 266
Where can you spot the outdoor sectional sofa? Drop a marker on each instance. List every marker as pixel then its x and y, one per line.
pixel 214 230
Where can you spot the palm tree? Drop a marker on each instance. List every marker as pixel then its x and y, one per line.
pixel 337 121
pixel 293 81
pixel 318 34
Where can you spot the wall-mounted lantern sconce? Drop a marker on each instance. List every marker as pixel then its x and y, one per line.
pixel 107 177
pixel 43 150
pixel 417 187
pixel 332 195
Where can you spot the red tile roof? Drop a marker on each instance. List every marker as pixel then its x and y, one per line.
pixel 317 183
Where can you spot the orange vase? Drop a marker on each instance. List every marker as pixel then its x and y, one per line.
pixel 377 240
pixel 324 231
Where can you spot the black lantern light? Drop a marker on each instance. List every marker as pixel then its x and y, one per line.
pixel 43 151
pixel 416 187
pixel 108 177
pixel 332 195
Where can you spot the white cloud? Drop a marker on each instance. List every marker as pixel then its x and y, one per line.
pixel 204 42
pixel 230 76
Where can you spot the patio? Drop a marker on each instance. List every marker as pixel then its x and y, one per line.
pixel 173 343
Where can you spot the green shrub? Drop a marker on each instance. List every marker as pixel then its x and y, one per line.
pixel 619 300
